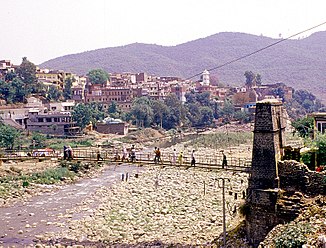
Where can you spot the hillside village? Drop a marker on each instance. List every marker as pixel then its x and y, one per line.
pixel 54 117
pixel 54 96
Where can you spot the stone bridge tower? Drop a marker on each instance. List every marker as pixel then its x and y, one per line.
pixel 263 190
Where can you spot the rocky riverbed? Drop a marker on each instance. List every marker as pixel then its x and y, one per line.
pixel 171 205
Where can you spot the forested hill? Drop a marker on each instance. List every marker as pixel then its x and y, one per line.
pixel 299 63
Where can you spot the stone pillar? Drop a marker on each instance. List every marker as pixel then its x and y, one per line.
pixel 263 190
pixel 269 141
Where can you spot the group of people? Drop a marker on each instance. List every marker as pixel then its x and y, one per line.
pixel 67 153
pixel 127 156
pixel 176 159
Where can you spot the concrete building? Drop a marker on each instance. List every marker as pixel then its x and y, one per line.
pixel 54 123
pixel 319 122
pixel 114 126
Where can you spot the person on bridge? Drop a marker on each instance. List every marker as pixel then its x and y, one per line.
pixel 174 157
pixel 193 160
pixel 124 154
pixel 70 153
pixel 133 154
pixel 224 161
pixel 157 155
pixel 65 152
pixel 180 158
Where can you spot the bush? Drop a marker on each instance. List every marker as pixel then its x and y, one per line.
pixel 244 209
pixel 294 235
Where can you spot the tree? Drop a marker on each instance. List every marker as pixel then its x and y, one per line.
pixel 177 112
pixel 38 140
pixel 228 110
pixel 142 111
pixel 82 114
pixel 160 111
pixel 304 126
pixel 67 87
pixel 258 79
pixel 250 78
pixel 53 93
pixel 206 116
pixel 20 90
pixel 242 116
pixel 98 76
pixel 7 91
pixel 193 114
pixel 9 136
pixel 27 72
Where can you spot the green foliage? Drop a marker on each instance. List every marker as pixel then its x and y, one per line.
pixel 222 140
pixel 242 117
pixel 294 235
pixel 67 87
pixel 27 72
pixel 9 136
pixel 50 176
pixel 250 78
pixel 38 140
pixel 54 94
pixel 320 143
pixel 304 126
pixel 13 91
pixel 142 111
pixel 58 144
pixel 98 76
pixel 82 114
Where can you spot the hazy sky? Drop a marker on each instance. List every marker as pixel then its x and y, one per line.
pixel 45 29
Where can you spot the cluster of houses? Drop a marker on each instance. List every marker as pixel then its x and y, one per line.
pixel 122 88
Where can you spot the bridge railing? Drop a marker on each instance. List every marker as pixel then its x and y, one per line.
pixel 112 155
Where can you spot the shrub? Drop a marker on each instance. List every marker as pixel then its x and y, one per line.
pixel 293 236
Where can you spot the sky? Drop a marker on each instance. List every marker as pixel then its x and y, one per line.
pixel 45 29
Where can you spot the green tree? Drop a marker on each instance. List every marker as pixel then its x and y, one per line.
pixel 54 93
pixel 142 111
pixel 7 91
pixel 250 78
pixel 20 90
pixel 194 114
pixel 9 136
pixel 160 110
pixel 98 76
pixel 38 140
pixel 113 108
pixel 177 112
pixel 258 79
pixel 67 87
pixel 304 126
pixel 27 72
pixel 206 116
pixel 242 116
pixel 82 114
pixel 228 110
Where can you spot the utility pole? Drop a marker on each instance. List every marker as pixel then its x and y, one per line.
pixel 226 183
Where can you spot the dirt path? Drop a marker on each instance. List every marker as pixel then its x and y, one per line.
pixel 24 223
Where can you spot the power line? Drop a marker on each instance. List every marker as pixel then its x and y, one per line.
pixel 259 50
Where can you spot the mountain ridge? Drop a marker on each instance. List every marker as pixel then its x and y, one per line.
pixel 299 63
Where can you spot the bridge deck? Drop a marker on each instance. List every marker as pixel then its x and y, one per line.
pixel 203 161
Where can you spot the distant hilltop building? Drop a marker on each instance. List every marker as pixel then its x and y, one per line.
pixel 205 78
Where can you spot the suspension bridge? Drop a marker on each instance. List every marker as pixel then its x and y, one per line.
pixel 142 157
